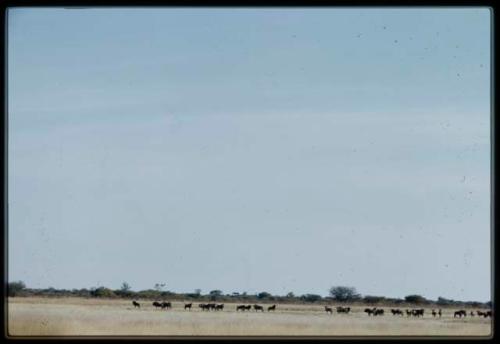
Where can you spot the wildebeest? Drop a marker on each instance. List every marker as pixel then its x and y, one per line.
pixel 396 311
pixel 258 308
pixel 471 313
pixel 408 312
pixel 243 308
pixel 204 307
pixel 166 305
pixel 136 304
pixel 369 311
pixel 157 304
pixel 328 309
pixel 484 314
pixel 374 311
pixel 271 308
pixel 188 306
pixel 417 312
pixel 219 307
pixel 434 313
pixel 341 309
pixel 460 313
pixel 439 312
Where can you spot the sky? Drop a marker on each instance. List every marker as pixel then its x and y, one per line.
pixel 251 149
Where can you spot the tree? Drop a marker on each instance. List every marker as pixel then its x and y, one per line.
pixel 342 293
pixel 311 297
pixel 264 295
pixel 214 294
pixel 159 286
pixel 102 292
pixel 416 299
pixel 443 302
pixel 125 287
pixel 16 288
pixel 290 295
pixel 196 294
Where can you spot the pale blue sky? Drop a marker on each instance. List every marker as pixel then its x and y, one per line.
pixel 285 149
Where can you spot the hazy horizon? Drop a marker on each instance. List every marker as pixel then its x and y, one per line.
pixel 249 150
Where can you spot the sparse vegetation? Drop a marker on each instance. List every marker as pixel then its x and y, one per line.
pixel 98 316
pixel 19 289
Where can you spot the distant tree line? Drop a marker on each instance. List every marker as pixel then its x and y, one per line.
pixel 337 294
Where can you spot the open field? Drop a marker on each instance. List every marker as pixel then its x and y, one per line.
pixel 94 317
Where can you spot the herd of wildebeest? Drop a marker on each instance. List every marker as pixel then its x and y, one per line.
pixel 369 311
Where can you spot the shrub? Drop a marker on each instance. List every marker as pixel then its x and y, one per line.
pixel 373 299
pixel 102 292
pixel 416 299
pixel 310 297
pixel 16 288
pixel 264 295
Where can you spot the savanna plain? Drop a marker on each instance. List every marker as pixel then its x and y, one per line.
pixel 31 316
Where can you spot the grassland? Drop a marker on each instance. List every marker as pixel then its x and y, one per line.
pixel 95 317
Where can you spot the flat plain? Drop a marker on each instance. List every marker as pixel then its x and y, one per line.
pixel 30 316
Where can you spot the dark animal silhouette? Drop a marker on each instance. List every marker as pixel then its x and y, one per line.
pixel 439 313
pixel 136 304
pixel 166 305
pixel 219 307
pixel 460 313
pixel 243 308
pixel 471 313
pixel 434 313
pixel 369 311
pixel 341 309
pixel 328 309
pixel 418 312
pixel 408 312
pixel 157 304
pixel 258 308
pixel 271 308
pixel 188 306
pixel 483 314
pixel 378 312
pixel 204 307
pixel 396 311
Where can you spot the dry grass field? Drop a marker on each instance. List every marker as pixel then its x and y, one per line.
pixel 91 317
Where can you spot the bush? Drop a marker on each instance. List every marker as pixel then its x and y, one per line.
pixel 311 297
pixel 264 295
pixel 102 292
pixel 416 299
pixel 373 299
pixel 444 302
pixel 16 288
